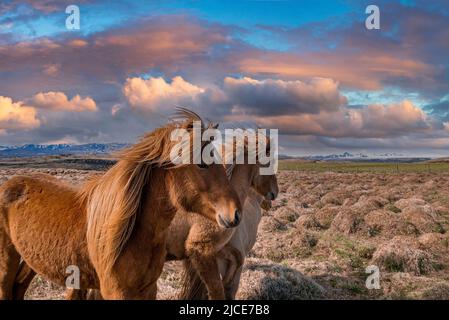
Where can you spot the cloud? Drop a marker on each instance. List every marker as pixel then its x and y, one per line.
pixel 51 69
pixel 58 101
pixel 155 94
pixel 167 43
pixel 298 90
pixel 364 70
pixel 46 6
pixel 269 96
pixel 372 121
pixel 245 96
pixel 16 115
pixel 409 52
pixel 314 107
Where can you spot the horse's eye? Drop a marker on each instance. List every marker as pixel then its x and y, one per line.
pixel 203 166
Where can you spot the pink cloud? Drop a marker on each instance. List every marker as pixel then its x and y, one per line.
pixel 360 70
pixel 16 115
pixel 58 101
pixel 167 43
pixel 156 94
pixel 372 121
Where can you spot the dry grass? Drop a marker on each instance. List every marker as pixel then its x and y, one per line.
pixel 325 229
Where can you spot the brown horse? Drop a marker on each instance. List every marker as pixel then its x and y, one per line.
pixel 114 229
pixel 195 239
pixel 200 242
pixel 232 257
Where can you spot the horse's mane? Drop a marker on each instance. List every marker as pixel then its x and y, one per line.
pixel 114 200
pixel 231 145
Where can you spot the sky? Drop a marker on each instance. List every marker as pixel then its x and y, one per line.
pixel 308 68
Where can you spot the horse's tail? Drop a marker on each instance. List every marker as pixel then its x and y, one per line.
pixel 192 287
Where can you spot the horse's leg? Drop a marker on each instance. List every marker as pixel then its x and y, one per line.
pixel 93 294
pixel 231 262
pixel 9 265
pixel 232 286
pixel 26 275
pixel 117 293
pixel 83 294
pixel 207 269
pixel 23 281
pixel 152 292
pixel 76 294
pixel 141 284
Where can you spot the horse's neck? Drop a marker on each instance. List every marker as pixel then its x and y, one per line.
pixel 254 201
pixel 157 205
pixel 241 181
pixel 246 233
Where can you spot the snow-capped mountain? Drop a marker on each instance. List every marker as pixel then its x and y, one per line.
pixel 342 156
pixel 30 150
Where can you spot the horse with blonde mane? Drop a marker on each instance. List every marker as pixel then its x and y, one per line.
pixel 202 244
pixel 114 229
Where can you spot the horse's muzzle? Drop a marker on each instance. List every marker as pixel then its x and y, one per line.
pixel 229 223
pixel 270 196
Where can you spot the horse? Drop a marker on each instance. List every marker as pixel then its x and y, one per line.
pixel 114 228
pixel 201 245
pixel 232 257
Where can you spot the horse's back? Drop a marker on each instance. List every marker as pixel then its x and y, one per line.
pixel 38 190
pixel 44 219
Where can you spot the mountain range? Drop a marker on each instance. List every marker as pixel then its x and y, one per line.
pixel 33 150
pixel 30 150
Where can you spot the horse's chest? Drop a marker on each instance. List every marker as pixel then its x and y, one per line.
pixel 223 238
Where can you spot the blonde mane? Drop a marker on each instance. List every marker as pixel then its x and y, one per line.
pixel 114 200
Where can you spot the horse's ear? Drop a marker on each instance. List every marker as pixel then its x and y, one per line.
pixel 215 125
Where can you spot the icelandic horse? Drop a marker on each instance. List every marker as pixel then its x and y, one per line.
pixel 230 258
pixel 114 228
pixel 205 248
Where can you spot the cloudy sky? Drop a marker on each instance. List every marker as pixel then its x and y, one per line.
pixel 308 68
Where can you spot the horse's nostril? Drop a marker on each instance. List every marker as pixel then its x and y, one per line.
pixel 270 196
pixel 226 222
pixel 237 216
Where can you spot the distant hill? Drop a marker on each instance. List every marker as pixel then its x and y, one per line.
pixel 342 156
pixel 32 150
pixel 37 150
pixel 439 160
pixel 357 157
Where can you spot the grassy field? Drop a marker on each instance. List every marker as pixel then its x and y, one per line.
pixel 354 167
pixel 330 221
